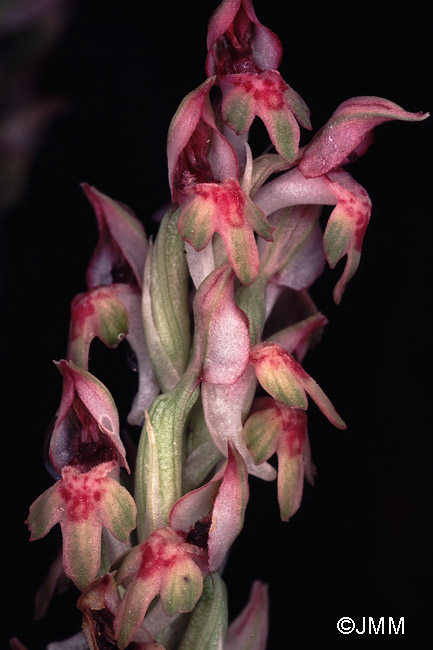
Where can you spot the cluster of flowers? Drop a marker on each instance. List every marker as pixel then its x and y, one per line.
pixel 216 399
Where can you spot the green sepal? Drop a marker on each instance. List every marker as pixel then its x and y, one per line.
pixel 261 432
pixel 201 452
pixel 158 473
pixel 165 303
pixel 207 626
pixel 252 301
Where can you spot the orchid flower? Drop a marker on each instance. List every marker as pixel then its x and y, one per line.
pixel 83 502
pixel 349 133
pixel 164 564
pixel 203 174
pixel 273 427
pixel 245 56
pixel 287 382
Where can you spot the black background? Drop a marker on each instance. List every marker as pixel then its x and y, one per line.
pixel 360 544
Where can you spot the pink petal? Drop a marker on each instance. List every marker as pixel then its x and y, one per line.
pixel 224 408
pixel 122 240
pixel 229 509
pixel 218 323
pixel 96 313
pixel 195 113
pixel 249 631
pixel 347 129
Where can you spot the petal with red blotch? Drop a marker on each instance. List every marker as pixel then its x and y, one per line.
pixel 347 129
pixel 345 230
pixel 96 400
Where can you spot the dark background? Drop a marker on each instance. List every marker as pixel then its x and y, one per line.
pixel 360 544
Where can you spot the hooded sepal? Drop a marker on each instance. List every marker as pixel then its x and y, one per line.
pixel 196 150
pixel 86 429
pixel 266 95
pixel 249 630
pixel 120 253
pixel 162 565
pixel 348 133
pixel 83 502
pixel 208 623
pixel 226 209
pixel 213 514
pixel 236 40
pixel 287 382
